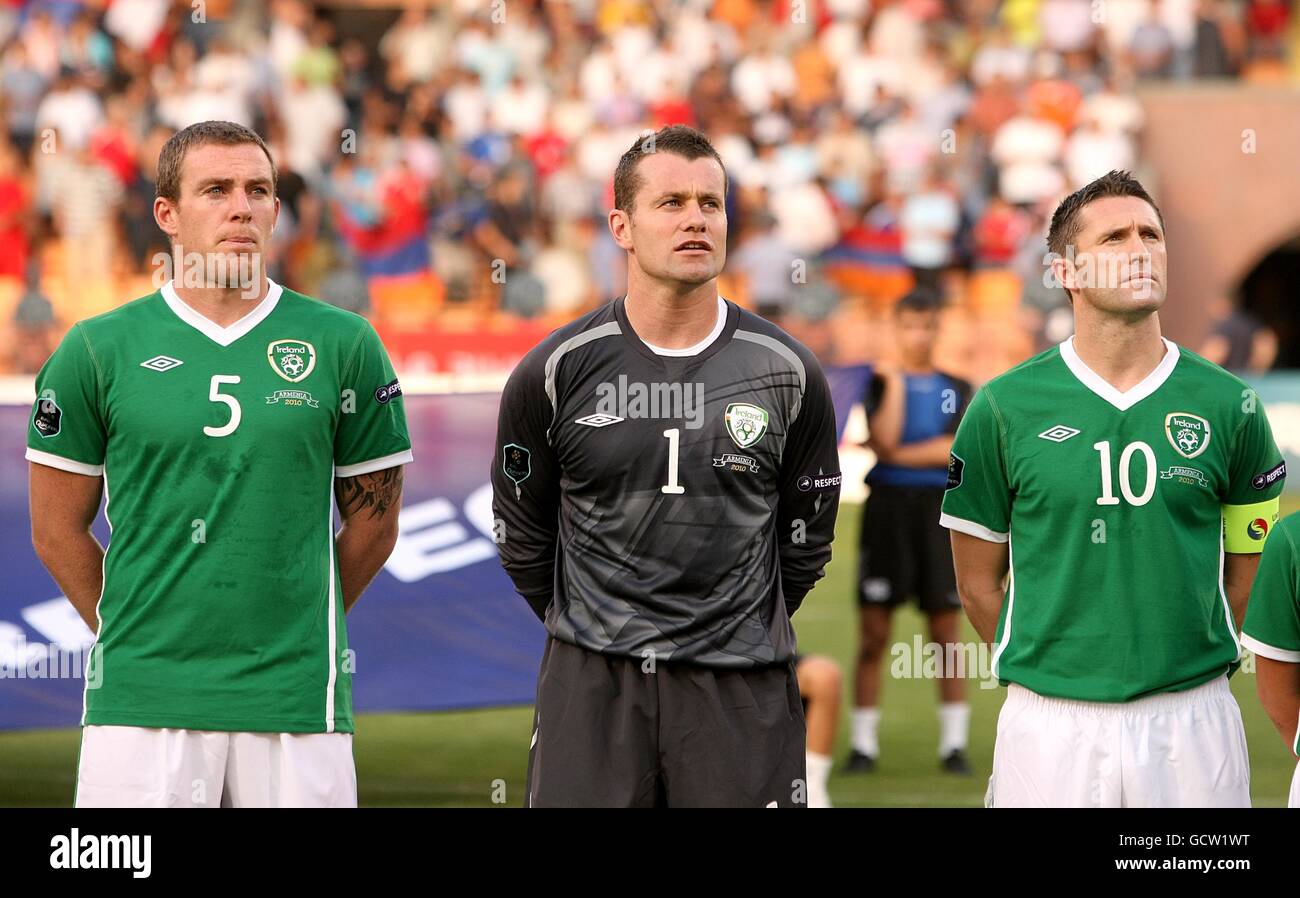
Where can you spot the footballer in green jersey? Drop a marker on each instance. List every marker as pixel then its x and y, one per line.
pixel 222 422
pixel 1108 500
pixel 1272 632
pixel 1114 507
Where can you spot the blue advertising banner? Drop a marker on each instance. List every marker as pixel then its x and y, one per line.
pixel 440 627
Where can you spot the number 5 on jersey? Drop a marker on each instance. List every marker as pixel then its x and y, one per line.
pixel 215 395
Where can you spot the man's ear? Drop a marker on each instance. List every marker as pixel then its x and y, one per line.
pixel 620 226
pixel 1063 270
pixel 164 215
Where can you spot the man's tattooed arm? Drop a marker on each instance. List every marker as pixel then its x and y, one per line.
pixel 374 493
pixel 369 504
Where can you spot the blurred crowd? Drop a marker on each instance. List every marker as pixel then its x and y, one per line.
pixel 458 162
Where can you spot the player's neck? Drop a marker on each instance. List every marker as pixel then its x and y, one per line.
pixel 1122 353
pixel 670 320
pixel 223 306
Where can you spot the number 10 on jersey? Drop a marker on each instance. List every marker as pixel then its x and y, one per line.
pixel 1108 496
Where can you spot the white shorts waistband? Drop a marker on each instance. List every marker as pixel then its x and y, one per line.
pixel 1161 701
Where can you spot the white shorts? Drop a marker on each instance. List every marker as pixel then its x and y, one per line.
pixel 1174 749
pixel 1293 800
pixel 138 767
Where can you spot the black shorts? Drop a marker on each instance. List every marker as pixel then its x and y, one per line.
pixel 607 734
pixel 905 552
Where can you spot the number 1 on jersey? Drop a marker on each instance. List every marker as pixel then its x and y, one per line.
pixel 672 487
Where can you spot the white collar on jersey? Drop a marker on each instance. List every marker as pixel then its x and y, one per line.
pixel 703 344
pixel 1134 394
pixel 223 336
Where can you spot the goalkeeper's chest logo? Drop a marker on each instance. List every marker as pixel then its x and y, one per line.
pixel 1189 434
pixel 292 359
pixel 746 423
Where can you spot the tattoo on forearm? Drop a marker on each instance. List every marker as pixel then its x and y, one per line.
pixel 378 491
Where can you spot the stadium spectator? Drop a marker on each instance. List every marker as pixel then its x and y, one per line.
pixel 768 266
pixel 87 50
pixel 1151 48
pixel 15 213
pixel 1239 341
pixel 72 109
pixel 42 37
pixel 913 411
pixel 930 219
pixel 85 200
pixel 1027 150
pixel 22 87
pixel 520 108
pixel 1092 150
pixel 144 241
pixel 999 234
pixel 1211 57
pixel 36 328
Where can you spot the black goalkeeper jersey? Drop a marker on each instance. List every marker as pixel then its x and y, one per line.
pixel 675 507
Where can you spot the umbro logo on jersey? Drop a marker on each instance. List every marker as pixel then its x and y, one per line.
pixel 599 420
pixel 1059 434
pixel 161 363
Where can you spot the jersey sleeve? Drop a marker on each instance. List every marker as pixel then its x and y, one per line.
pixel 67 427
pixel 809 485
pixel 1256 473
pixel 526 485
pixel 371 434
pixel 1272 626
pixel 977 500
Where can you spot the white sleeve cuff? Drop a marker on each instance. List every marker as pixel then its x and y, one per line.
pixel 1269 651
pixel 49 459
pixel 972 528
pixel 375 464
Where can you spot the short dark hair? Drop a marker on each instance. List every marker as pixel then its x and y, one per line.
pixel 1066 220
pixel 197 135
pixel 679 140
pixel 921 299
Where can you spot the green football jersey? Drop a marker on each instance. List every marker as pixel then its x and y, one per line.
pixel 1117 508
pixel 1272 627
pixel 221 607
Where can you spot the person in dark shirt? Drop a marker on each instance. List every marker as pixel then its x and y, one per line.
pixel 1239 341
pixel 665 482
pixel 912 413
